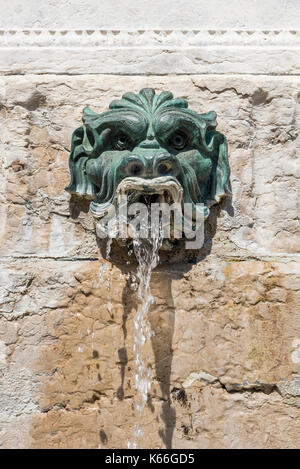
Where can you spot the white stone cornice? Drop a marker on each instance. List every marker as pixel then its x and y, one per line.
pixel 146 51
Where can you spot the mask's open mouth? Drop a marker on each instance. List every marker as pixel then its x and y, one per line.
pixel 168 219
pixel 163 189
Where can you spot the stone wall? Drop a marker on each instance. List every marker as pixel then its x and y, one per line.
pixel 226 351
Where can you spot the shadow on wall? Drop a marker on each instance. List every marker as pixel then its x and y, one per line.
pixel 162 324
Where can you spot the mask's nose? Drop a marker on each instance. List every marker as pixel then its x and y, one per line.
pixel 149 143
pixel 150 140
pixel 149 165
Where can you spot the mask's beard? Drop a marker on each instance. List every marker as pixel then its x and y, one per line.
pixel 192 192
pixel 106 196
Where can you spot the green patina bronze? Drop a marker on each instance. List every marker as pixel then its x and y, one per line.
pixel 150 140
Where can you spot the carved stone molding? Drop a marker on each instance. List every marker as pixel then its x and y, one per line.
pixel 150 51
pixel 142 38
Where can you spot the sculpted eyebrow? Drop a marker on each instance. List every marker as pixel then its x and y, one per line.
pixel 130 121
pixel 132 126
pixel 169 122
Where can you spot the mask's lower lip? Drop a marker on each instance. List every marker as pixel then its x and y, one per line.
pixel 160 186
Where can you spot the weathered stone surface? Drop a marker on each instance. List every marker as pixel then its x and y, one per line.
pixel 259 115
pixel 84 14
pixel 224 356
pixel 226 351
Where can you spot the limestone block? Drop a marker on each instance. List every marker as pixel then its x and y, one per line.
pixel 258 115
pixel 224 356
pixel 197 13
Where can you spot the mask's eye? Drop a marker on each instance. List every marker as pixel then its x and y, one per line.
pixel 121 141
pixel 178 141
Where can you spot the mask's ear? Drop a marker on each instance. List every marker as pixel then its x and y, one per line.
pixel 219 184
pixel 214 144
pixel 84 142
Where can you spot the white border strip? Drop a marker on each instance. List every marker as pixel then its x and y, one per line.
pixel 150 52
pixel 148 38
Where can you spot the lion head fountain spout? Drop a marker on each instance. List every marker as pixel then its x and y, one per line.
pixel 150 148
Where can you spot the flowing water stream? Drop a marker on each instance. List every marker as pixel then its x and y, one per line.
pixel 146 253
